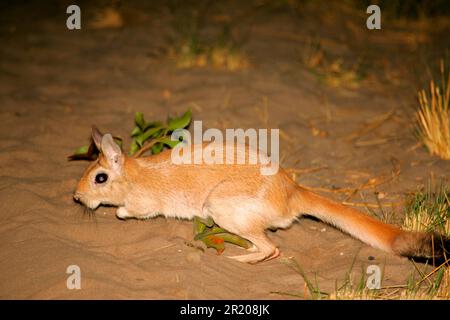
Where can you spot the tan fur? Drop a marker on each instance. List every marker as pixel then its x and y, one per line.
pixel 236 197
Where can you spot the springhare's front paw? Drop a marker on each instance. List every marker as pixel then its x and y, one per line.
pixel 123 214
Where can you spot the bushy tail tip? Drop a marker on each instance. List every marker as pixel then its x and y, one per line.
pixel 422 245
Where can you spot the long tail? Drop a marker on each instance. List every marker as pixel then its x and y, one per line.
pixel 369 230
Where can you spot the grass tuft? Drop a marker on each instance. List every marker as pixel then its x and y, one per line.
pixel 335 71
pixel 429 210
pixel 198 43
pixel 225 57
pixel 433 119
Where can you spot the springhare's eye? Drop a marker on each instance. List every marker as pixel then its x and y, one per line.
pixel 101 178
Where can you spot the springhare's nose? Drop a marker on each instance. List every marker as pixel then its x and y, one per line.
pixel 76 197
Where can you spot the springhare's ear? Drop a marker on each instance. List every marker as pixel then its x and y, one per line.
pixel 112 152
pixel 97 137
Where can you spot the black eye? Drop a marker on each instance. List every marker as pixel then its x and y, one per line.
pixel 101 178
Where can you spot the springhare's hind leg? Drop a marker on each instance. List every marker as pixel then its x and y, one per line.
pixel 266 250
pixel 247 226
pixel 247 218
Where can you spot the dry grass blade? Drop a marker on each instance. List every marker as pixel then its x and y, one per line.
pixel 372 142
pixel 444 264
pixel 370 126
pixel 444 290
pixel 370 205
pixel 433 119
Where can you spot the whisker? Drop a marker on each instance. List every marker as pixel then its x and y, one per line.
pixel 90 214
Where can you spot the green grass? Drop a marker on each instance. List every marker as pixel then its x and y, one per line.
pixel 420 285
pixel 345 289
pixel 429 210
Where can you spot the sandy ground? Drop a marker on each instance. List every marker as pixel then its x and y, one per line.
pixel 56 83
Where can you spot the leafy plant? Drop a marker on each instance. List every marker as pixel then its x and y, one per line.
pixel 154 136
pixel 215 237
pixel 155 133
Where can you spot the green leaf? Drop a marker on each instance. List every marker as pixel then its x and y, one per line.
pixel 157 148
pixel 136 131
pixel 152 124
pixel 209 222
pixel 205 229
pixel 139 140
pixel 82 154
pixel 81 150
pixel 236 240
pixel 150 133
pixel 139 119
pixel 134 147
pixel 181 122
pixel 170 143
pixel 210 231
pixel 199 226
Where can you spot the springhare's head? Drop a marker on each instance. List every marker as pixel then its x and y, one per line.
pixel 102 182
